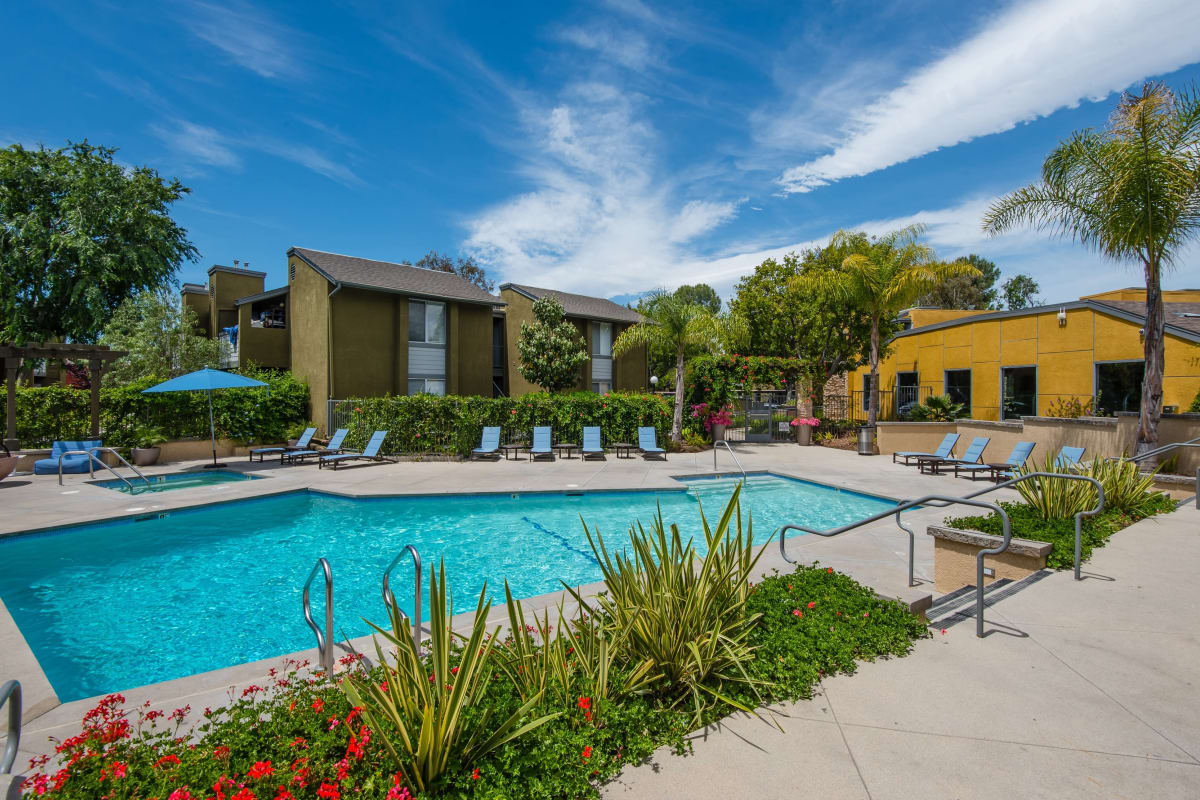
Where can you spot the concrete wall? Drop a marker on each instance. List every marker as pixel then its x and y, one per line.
pixel 1102 436
pixel 227 288
pixel 362 357
pixel 267 347
pixel 1065 357
pixel 519 309
pixel 308 333
pixel 200 304
pixel 470 353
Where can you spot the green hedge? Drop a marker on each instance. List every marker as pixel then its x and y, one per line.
pixel 452 424
pixel 49 413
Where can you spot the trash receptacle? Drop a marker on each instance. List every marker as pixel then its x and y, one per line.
pixel 866 440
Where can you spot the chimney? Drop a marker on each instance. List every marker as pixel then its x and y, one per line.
pixel 235 263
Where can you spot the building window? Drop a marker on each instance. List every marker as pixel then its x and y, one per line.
pixel 271 313
pixel 1119 387
pixel 866 391
pixel 602 369
pixel 426 347
pixel 958 387
pixel 908 392
pixel 1018 392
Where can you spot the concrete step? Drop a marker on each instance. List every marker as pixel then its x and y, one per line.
pixel 959 605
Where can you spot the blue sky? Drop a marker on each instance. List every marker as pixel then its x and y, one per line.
pixel 605 148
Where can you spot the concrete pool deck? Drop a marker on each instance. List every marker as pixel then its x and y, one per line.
pixel 1055 697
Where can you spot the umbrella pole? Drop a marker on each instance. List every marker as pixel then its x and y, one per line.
pixel 212 432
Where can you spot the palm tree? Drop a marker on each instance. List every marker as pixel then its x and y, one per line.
pixel 1130 192
pixel 675 324
pixel 882 276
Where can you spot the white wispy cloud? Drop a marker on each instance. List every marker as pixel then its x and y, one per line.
pixel 201 146
pixel 622 46
pixel 247 36
pixel 1026 62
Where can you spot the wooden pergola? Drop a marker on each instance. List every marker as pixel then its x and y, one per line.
pixel 97 356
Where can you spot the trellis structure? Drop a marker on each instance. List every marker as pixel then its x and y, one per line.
pixel 13 355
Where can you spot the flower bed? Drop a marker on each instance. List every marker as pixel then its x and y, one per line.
pixel 551 711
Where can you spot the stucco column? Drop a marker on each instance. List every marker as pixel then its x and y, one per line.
pixel 95 373
pixel 11 365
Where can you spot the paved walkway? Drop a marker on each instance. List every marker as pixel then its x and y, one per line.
pixel 1080 690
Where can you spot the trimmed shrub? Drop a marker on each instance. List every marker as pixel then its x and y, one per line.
pixel 426 423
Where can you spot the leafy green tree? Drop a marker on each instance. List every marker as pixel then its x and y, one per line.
pixel 702 295
pixel 1130 192
pixel 1020 291
pixel 162 337
pixel 551 349
pixel 966 292
pixel 677 325
pixel 788 317
pixel 465 268
pixel 882 276
pixel 80 233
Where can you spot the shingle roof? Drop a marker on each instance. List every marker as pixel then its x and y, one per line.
pixel 390 277
pixel 579 305
pixel 1173 313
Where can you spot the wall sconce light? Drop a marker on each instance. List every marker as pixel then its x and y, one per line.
pixel 1062 317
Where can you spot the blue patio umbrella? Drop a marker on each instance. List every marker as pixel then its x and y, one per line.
pixel 205 380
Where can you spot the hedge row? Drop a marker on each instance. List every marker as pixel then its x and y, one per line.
pixel 452 424
pixel 49 413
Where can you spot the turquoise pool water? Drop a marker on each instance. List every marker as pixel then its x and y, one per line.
pixel 177 480
pixel 114 605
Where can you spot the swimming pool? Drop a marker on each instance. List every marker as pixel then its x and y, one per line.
pixel 119 604
pixel 176 480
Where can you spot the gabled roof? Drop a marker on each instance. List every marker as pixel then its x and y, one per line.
pixel 236 271
pixel 1175 314
pixel 579 305
pixel 267 295
pixel 386 276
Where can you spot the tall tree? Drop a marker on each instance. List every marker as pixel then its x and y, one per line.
pixel 662 358
pixel 161 336
pixel 1132 193
pixel 883 276
pixel 970 293
pixel 788 317
pixel 702 295
pixel 1020 291
pixel 464 268
pixel 551 349
pixel 80 233
pixel 675 324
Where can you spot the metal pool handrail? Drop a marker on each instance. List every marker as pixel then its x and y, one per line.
pixel 904 506
pixel 10 693
pixel 120 458
pixel 1013 482
pixel 735 458
pixel 389 599
pixel 91 470
pixel 324 641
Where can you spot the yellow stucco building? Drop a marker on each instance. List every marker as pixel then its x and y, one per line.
pixel 1008 364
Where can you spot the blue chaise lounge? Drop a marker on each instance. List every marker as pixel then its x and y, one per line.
pixel 72 464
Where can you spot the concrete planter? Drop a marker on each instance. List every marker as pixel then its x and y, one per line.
pixel 7 465
pixel 144 456
pixel 718 432
pixel 804 434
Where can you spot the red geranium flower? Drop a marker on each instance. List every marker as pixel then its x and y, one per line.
pixel 587 751
pixel 585 703
pixel 475 774
pixel 812 604
pixel 261 769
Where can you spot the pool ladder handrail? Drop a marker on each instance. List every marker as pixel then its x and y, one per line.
pixel 942 501
pixel 93 459
pixel 120 458
pixel 324 641
pixel 389 599
pixel 10 693
pixel 745 477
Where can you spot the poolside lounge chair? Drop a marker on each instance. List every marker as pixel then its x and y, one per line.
pixel 541 449
pixel 369 453
pixel 943 451
pixel 301 444
pixel 73 464
pixel 334 446
pixel 489 444
pixel 592 449
pixel 648 444
pixel 1016 460
pixel 974 455
pixel 1069 458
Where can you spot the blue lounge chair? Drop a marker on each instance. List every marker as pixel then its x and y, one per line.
pixel 72 464
pixel 489 444
pixel 944 450
pixel 974 455
pixel 334 446
pixel 369 453
pixel 648 444
pixel 541 449
pixel 301 444
pixel 1069 458
pixel 592 446
pixel 1015 461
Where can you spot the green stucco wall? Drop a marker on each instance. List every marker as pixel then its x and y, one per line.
pixel 227 289
pixel 471 349
pixel 200 304
pixel 363 355
pixel 267 347
pixel 308 331
pixel 630 370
